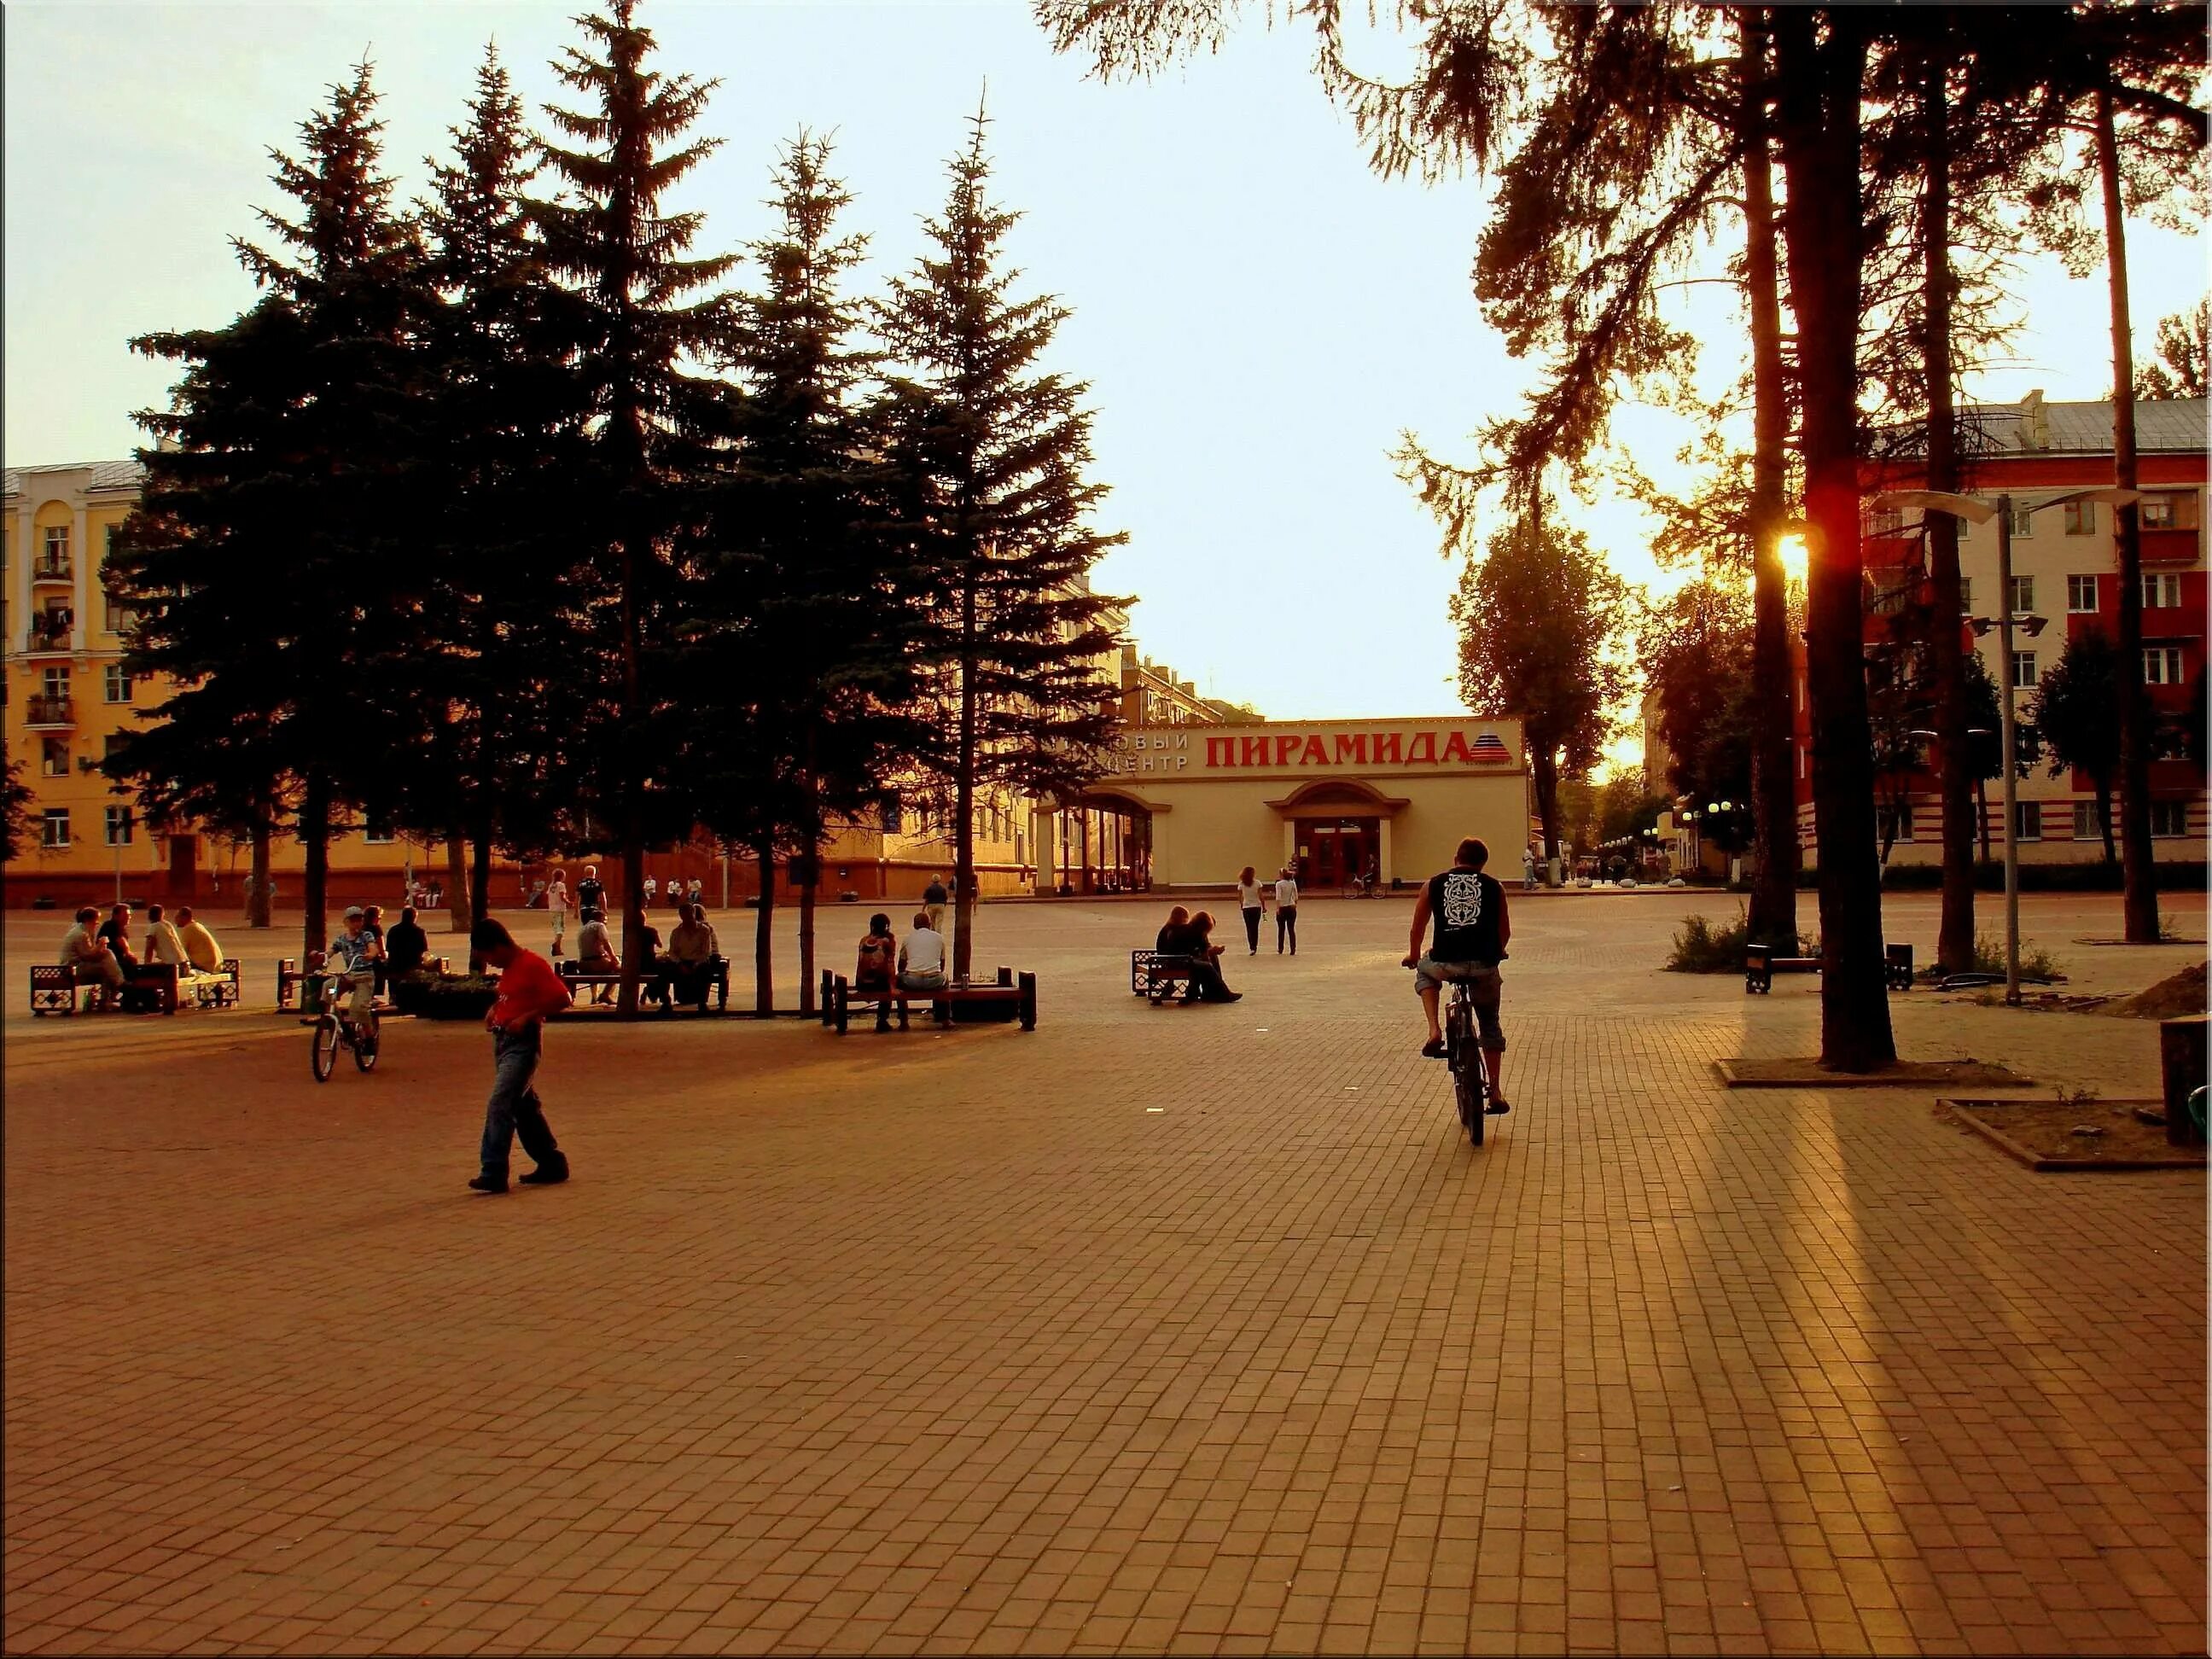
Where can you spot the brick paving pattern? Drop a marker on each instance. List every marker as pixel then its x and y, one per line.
pixel 1189 1330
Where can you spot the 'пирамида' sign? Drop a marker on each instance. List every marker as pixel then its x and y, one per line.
pixel 1199 749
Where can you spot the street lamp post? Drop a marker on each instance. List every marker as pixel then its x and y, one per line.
pixel 1977 511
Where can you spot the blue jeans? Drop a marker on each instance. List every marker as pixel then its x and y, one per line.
pixel 514 1109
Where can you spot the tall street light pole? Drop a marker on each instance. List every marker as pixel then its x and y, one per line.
pixel 1975 510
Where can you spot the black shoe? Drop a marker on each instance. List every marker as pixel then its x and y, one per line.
pixel 1498 1107
pixel 489 1183
pixel 547 1175
pixel 1433 1050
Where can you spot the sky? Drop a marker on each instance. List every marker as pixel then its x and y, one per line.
pixel 1258 316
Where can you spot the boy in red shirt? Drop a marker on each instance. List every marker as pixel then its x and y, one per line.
pixel 529 990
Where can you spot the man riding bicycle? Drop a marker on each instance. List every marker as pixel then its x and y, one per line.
pixel 1472 929
pixel 352 960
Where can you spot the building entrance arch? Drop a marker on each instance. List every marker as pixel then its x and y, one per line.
pixel 1105 842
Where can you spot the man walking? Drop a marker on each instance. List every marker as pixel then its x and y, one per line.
pixel 1286 909
pixel 590 895
pixel 933 900
pixel 1472 929
pixel 529 990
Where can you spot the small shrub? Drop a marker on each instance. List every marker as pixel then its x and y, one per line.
pixel 1700 948
pixel 1989 959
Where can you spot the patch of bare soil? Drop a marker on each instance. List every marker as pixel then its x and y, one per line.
pixel 2170 999
pixel 1806 1071
pixel 2107 1134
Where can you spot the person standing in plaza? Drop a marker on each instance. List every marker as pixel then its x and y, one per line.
pixel 1286 909
pixel 1252 899
pixel 557 901
pixel 933 900
pixel 529 990
pixel 695 891
pixel 1527 869
pixel 652 890
pixel 590 895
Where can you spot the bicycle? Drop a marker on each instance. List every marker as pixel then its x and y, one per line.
pixel 334 1029
pixel 1463 1058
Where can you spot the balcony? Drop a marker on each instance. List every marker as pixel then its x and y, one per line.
pixel 2166 547
pixel 52 570
pixel 49 712
pixel 48 641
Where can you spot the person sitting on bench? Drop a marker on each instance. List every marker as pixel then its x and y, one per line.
pixel 878 952
pixel 595 946
pixel 163 946
pixel 692 949
pixel 921 958
pixel 1173 938
pixel 406 944
pixel 200 947
pixel 1206 984
pixel 88 959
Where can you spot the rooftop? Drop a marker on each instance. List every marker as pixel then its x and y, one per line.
pixel 105 475
pixel 2174 425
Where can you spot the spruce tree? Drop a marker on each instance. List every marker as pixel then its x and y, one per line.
pixel 14 809
pixel 634 312
pixel 273 555
pixel 498 685
pixel 810 639
pixel 990 453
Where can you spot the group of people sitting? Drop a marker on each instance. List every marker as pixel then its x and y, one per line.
pixel 917 963
pixel 101 954
pixel 1191 936
pixel 681 974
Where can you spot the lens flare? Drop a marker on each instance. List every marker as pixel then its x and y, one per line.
pixel 1795 557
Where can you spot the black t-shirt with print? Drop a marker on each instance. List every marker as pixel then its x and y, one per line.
pixel 1464 906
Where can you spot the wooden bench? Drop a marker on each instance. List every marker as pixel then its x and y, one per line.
pixel 655 982
pixel 1153 974
pixel 1016 992
pixel 1760 965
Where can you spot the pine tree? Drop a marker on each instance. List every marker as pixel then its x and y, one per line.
pixel 498 685
pixel 990 454
pixel 638 490
pixel 272 556
pixel 811 642
pixel 14 809
pixel 2183 368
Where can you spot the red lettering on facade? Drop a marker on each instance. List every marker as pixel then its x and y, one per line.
pixel 1352 749
pixel 1221 751
pixel 1255 753
pixel 1456 748
pixel 1284 748
pixel 1387 745
pixel 1424 752
pixel 1316 753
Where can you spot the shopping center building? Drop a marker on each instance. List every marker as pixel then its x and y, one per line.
pixel 1192 806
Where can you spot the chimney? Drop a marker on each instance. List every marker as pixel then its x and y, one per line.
pixel 2034 421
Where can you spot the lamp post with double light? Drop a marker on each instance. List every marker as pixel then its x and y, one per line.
pixel 1975 510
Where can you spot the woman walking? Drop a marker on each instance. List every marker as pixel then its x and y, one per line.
pixel 1252 896
pixel 557 901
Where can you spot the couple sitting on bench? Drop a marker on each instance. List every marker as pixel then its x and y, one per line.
pixel 1191 936
pixel 683 975
pixel 917 966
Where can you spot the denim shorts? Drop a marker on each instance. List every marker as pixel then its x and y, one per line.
pixel 1429 975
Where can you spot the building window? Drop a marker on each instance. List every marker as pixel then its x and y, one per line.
pixel 1889 598
pixel 2161 590
pixel 53 760
pixel 57 681
pixel 54 561
pixel 2169 818
pixel 115 684
pixel 2086 827
pixel 377 835
pixel 2028 820
pixel 2161 665
pixel 2023 670
pixel 2155 513
pixel 118 826
pixel 2081 518
pixel 120 618
pixel 1884 521
pixel 111 744
pixel 2080 594
pixel 1965 594
pixel 2023 517
pixel 2023 595
pixel 53 829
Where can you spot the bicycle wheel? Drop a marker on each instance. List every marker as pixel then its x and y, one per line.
pixel 365 1047
pixel 325 1039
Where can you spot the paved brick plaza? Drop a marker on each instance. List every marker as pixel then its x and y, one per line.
pixel 954 1342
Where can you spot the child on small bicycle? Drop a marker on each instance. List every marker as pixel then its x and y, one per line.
pixel 352 960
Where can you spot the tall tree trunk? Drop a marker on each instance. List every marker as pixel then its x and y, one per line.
pixel 2138 871
pixel 764 930
pixel 257 907
pixel 1773 907
pixel 1544 776
pixel 810 874
pixel 480 879
pixel 1982 814
pixel 1819 91
pixel 1954 942
pixel 314 828
pixel 633 781
pixel 964 827
pixel 457 882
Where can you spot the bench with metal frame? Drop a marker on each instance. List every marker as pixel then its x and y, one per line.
pixel 840 998
pixel 601 980
pixel 1154 974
